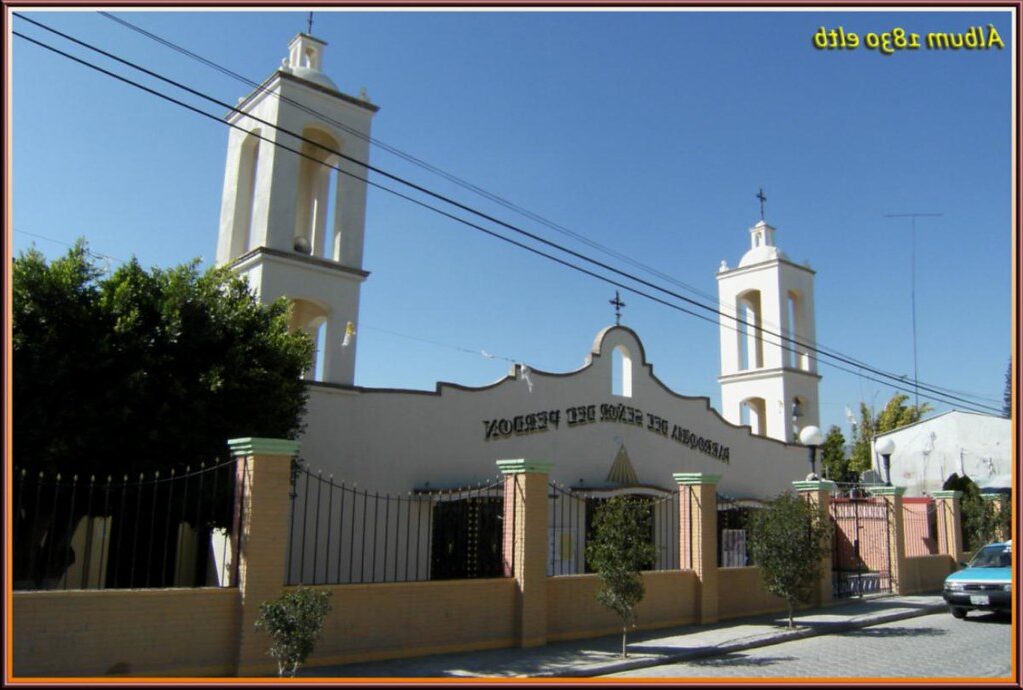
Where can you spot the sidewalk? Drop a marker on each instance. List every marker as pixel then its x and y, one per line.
pixel 599 656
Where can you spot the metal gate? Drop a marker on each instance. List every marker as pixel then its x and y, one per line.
pixel 861 562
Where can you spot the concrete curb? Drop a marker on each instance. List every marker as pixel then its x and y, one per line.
pixel 752 642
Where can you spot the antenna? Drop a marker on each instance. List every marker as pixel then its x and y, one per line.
pixel 912 263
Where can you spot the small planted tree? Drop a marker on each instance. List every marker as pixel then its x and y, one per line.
pixel 618 549
pixel 293 621
pixel 788 539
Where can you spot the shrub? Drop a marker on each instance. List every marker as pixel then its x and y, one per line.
pixel 293 621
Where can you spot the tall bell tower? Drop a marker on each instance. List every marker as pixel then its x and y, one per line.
pixel 289 221
pixel 769 376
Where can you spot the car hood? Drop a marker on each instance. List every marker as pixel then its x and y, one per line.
pixel 981 575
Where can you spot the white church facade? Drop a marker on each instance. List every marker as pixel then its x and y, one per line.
pixel 294 227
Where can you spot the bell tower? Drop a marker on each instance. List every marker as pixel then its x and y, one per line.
pixel 290 222
pixel 769 376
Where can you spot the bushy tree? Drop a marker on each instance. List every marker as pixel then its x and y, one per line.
pixel 833 459
pixel 896 414
pixel 981 522
pixel 293 621
pixel 618 549
pixel 139 371
pixel 788 539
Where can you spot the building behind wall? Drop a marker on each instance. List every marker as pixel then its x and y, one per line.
pixel 971 444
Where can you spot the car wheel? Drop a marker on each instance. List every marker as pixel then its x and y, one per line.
pixel 958 612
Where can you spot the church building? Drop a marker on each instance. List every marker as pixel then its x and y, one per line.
pixel 294 227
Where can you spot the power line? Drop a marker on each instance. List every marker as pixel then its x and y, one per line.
pixel 938 397
pixel 765 328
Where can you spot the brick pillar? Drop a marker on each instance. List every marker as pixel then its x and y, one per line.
pixel 998 505
pixel 698 538
pixel 264 472
pixel 525 545
pixel 892 496
pixel 950 524
pixel 818 493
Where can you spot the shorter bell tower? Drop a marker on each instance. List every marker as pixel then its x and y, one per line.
pixel 293 210
pixel 769 376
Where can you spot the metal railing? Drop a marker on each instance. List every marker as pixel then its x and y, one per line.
pixel 340 534
pixel 174 530
pixel 732 531
pixel 570 517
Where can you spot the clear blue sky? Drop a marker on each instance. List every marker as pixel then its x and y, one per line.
pixel 648 132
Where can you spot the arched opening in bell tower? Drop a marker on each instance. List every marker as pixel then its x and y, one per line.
pixel 752 413
pixel 750 330
pixel 245 199
pixel 317 193
pixel 797 355
pixel 311 318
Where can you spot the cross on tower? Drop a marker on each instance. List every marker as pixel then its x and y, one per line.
pixel 618 304
pixel 760 195
pixel 310 31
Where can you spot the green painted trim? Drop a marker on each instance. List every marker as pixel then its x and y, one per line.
pixel 887 491
pixel 946 494
pixel 695 478
pixel 522 466
pixel 262 446
pixel 819 485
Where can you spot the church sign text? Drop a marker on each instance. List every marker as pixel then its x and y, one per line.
pixel 614 413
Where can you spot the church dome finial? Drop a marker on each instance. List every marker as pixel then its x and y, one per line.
pixel 305 60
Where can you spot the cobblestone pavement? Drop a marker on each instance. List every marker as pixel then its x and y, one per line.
pixel 934 646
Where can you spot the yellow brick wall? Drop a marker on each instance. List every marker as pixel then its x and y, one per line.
pixel 926 573
pixel 177 632
pixel 392 620
pixel 573 610
pixel 741 593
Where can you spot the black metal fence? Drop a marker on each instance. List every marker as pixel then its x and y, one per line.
pixel 570 526
pixel 920 528
pixel 170 530
pixel 733 532
pixel 340 534
pixel 861 560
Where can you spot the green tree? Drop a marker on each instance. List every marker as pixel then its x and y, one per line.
pixel 788 539
pixel 619 548
pixel 833 459
pixel 896 414
pixel 293 621
pixel 981 522
pixel 139 371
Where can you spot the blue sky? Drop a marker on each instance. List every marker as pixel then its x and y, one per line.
pixel 647 132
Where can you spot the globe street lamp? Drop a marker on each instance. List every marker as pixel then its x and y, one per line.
pixel 811 437
pixel 884 448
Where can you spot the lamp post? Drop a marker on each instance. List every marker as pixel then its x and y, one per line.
pixel 797 412
pixel 884 448
pixel 811 437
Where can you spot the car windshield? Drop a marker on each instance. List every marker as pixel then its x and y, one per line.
pixel 992 557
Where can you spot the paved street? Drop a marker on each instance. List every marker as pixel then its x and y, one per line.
pixel 934 646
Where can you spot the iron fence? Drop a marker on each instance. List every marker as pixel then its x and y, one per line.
pixel 570 526
pixel 340 534
pixel 174 530
pixel 732 531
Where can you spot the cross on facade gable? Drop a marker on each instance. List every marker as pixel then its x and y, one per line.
pixel 617 303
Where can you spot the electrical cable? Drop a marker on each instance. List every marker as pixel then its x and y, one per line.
pixel 941 398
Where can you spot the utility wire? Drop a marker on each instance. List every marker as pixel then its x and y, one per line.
pixel 897 380
pixel 764 328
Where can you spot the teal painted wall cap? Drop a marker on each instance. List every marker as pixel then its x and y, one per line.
pixel 818 485
pixel 887 491
pixel 947 494
pixel 521 465
pixel 695 478
pixel 262 446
